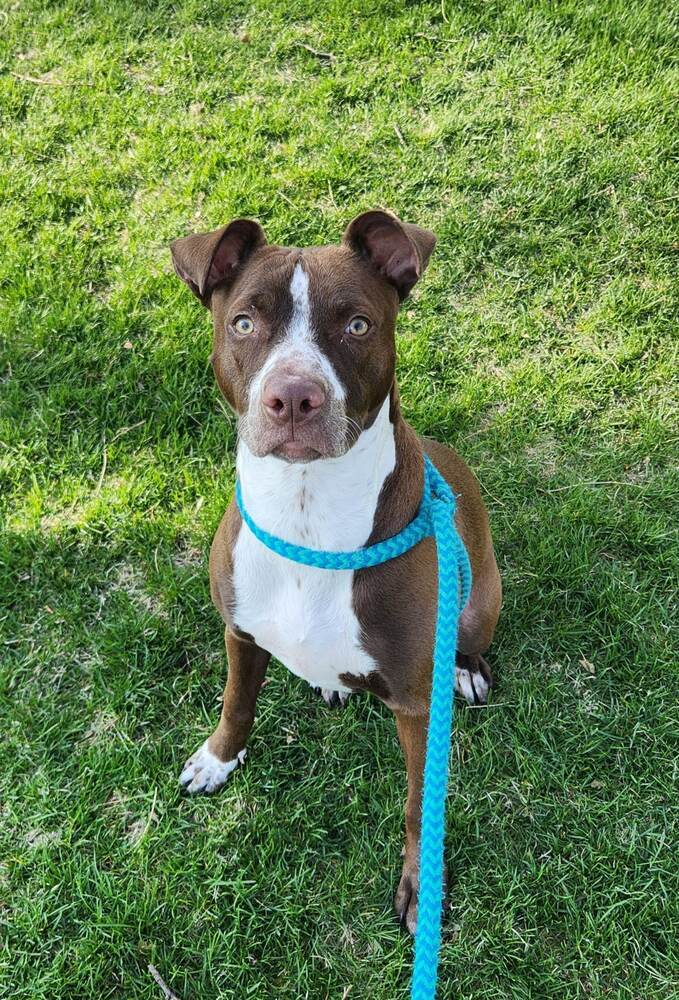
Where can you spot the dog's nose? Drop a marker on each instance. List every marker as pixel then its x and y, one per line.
pixel 292 398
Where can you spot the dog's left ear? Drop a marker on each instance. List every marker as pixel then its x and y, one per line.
pixel 398 250
pixel 206 260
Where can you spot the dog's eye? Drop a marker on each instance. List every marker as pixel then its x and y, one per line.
pixel 358 326
pixel 243 324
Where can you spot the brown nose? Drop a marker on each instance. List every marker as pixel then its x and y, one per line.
pixel 292 398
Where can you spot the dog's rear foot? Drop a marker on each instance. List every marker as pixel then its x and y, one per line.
pixel 473 678
pixel 334 699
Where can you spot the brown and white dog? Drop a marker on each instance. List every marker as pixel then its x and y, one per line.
pixel 304 353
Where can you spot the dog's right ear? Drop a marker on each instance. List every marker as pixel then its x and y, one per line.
pixel 206 260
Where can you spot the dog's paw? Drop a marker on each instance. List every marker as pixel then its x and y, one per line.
pixel 407 896
pixel 204 772
pixel 405 901
pixel 473 679
pixel 334 699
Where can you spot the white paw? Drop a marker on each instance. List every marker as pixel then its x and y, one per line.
pixel 203 772
pixel 335 699
pixel 472 685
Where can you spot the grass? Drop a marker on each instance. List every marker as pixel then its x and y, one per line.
pixel 539 141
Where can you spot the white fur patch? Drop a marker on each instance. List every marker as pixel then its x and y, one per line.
pixel 204 772
pixel 465 686
pixel 299 345
pixel 304 615
pixel 300 325
pixel 333 698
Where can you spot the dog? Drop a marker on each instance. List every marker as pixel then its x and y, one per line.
pixel 304 353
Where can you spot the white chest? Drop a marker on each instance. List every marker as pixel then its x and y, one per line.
pixel 304 616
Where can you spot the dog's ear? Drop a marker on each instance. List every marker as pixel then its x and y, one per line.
pixel 399 250
pixel 206 260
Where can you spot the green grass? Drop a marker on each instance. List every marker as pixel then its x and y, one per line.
pixel 539 141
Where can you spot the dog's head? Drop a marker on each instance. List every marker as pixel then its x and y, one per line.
pixel 304 339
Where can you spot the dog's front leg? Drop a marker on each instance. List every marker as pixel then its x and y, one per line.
pixel 210 766
pixel 412 734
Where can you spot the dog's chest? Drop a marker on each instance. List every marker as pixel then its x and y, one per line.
pixel 301 614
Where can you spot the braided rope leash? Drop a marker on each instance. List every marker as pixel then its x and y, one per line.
pixel 454 574
pixel 436 517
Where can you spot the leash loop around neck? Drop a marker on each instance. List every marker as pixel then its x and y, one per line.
pixel 436 516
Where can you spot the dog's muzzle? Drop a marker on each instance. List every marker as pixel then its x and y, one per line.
pixel 295 416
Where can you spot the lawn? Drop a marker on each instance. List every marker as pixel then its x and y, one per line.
pixel 539 141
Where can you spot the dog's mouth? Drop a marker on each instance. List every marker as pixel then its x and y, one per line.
pixel 296 451
pixel 300 448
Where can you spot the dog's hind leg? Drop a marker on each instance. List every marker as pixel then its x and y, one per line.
pixel 473 678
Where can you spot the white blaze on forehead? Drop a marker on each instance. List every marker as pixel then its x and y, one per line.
pixel 299 347
pixel 300 324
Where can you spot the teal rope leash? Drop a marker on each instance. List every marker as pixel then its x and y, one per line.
pixel 436 517
pixel 454 572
